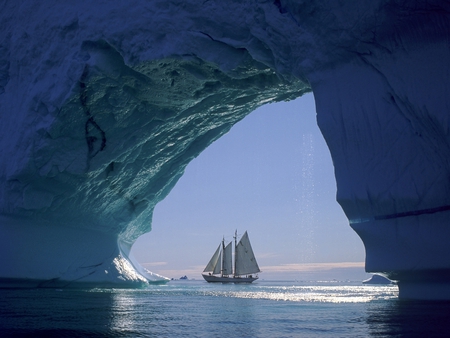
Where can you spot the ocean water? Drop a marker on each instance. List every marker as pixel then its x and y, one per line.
pixel 194 308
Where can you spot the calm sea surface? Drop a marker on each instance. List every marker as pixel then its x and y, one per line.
pixel 198 309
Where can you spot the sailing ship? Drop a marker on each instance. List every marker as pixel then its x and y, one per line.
pixel 220 266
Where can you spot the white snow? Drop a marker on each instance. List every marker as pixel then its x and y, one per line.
pixel 104 104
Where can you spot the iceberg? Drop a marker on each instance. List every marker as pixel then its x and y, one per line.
pixel 104 104
pixel 377 280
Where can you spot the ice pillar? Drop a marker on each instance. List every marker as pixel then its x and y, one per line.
pixel 385 119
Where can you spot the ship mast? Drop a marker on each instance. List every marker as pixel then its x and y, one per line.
pixel 235 252
pixel 223 256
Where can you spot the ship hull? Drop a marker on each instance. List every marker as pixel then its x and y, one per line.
pixel 219 279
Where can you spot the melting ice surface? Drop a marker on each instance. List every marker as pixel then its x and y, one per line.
pixel 104 105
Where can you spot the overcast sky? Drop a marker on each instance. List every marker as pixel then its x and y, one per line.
pixel 271 175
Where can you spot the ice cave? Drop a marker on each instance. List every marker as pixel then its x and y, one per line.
pixel 104 104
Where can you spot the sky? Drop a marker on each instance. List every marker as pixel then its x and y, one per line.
pixel 271 175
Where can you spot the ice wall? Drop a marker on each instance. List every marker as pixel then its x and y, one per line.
pixel 385 117
pixel 104 104
pixel 102 109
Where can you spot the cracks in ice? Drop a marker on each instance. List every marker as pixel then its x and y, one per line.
pixel 91 266
pixel 401 214
pixel 109 169
pixel 280 7
pixel 4 70
pixel 407 110
pixel 95 136
pixel 420 125
pixel 209 36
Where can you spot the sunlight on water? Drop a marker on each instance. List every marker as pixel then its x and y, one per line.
pixel 346 295
pixel 264 309
pixel 328 294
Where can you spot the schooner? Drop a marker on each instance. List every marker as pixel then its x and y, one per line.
pixel 220 266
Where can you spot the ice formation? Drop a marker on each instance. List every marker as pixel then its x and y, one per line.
pixel 104 104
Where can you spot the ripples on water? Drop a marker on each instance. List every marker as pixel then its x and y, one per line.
pixel 199 309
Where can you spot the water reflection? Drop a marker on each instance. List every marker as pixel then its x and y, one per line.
pixel 409 319
pixel 202 310
pixel 50 312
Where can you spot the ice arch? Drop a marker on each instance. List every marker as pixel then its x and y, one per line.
pixel 104 105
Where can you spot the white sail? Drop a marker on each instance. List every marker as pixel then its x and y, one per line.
pixel 211 266
pixel 227 268
pixel 245 262
pixel 218 267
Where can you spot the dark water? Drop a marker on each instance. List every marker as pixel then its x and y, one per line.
pixel 199 309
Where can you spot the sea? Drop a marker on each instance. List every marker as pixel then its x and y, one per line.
pixel 195 308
